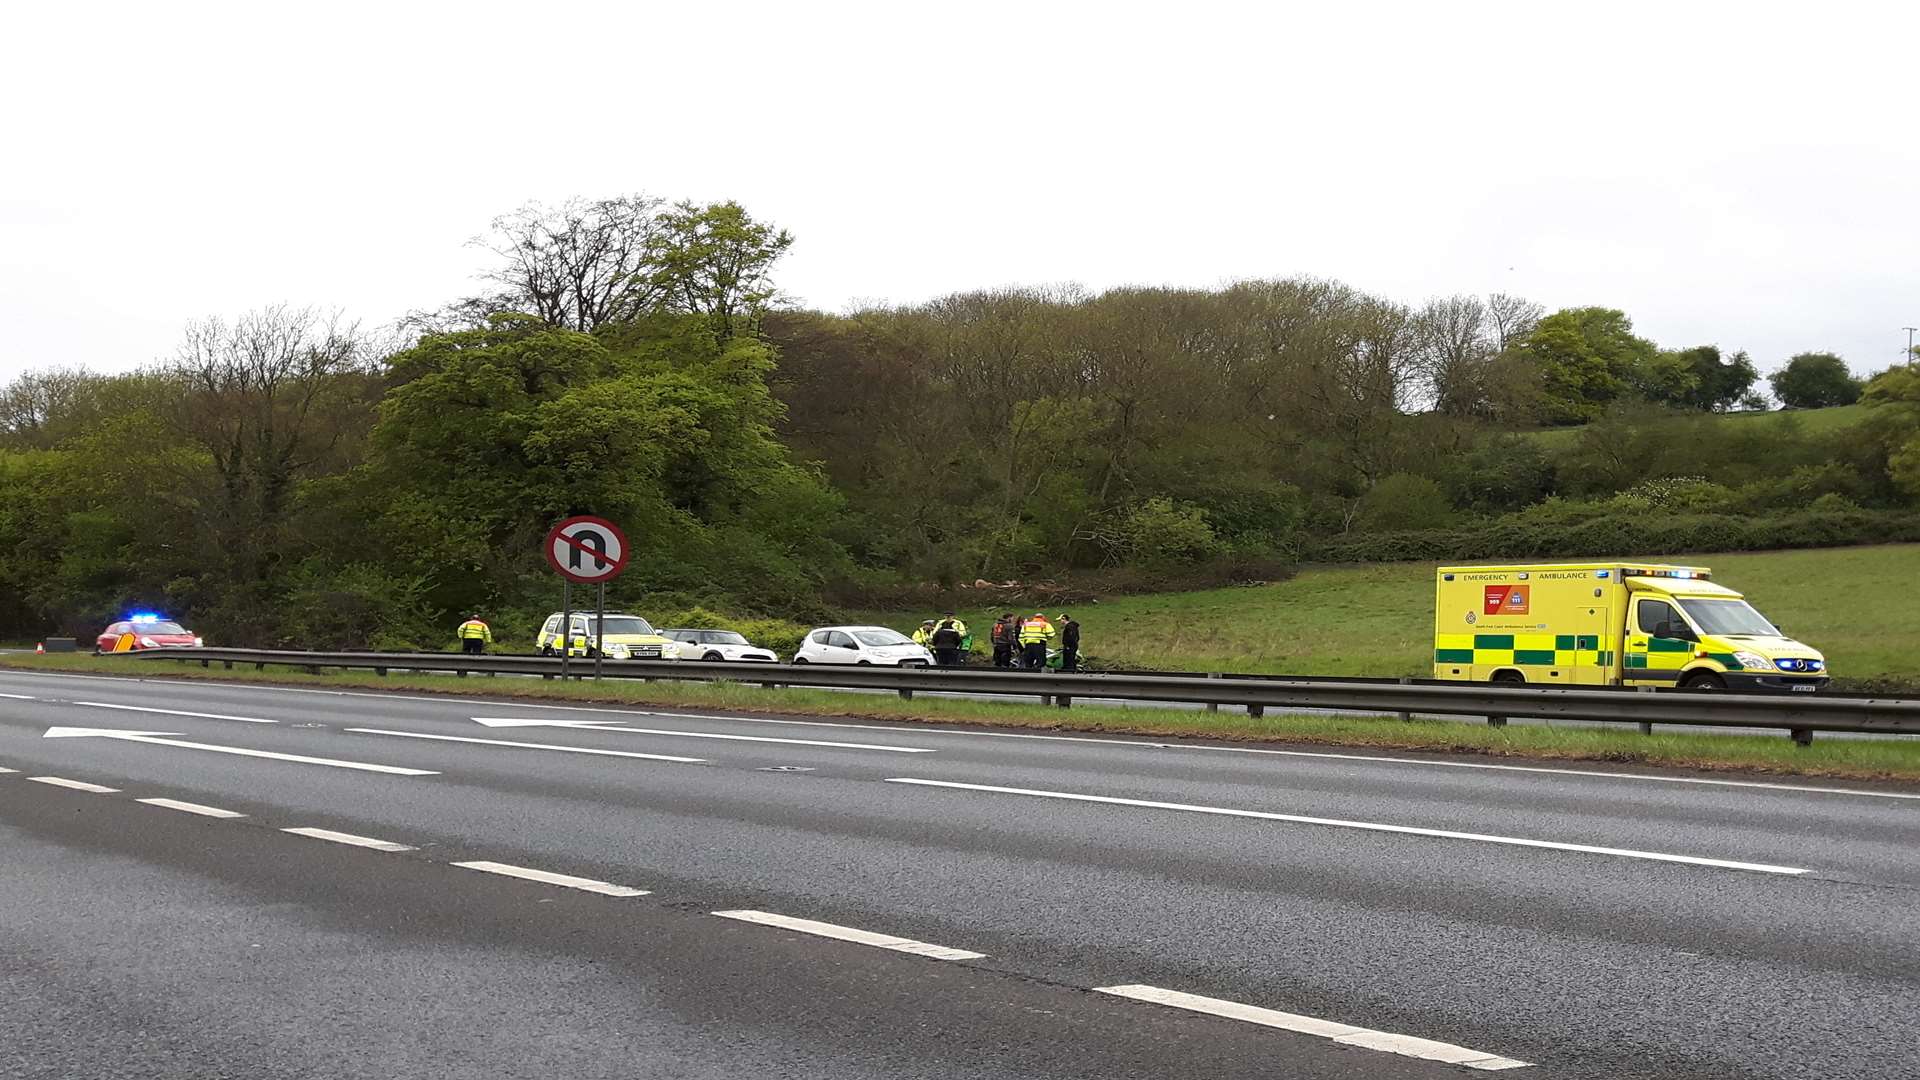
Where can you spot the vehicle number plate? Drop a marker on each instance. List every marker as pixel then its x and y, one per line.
pixel 1805 688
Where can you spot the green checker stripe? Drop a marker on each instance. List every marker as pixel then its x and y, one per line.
pixel 1533 656
pixel 1605 660
pixel 1453 656
pixel 1636 660
pixel 1726 658
pixel 1493 641
pixel 1667 644
pixel 1563 641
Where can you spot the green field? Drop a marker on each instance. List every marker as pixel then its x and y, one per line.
pixel 1810 421
pixel 1851 603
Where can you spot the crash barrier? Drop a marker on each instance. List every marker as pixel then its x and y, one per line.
pixel 1798 714
pixel 60 644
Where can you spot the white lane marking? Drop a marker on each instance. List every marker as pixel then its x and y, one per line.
pixel 154 738
pixel 548 878
pixel 349 838
pixel 1370 826
pixel 1405 1045
pixel 174 712
pixel 527 745
pixel 1144 742
pixel 848 933
pixel 191 808
pixel 3 770
pixel 18 697
pixel 77 785
pixel 505 721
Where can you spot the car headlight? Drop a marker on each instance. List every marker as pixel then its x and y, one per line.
pixel 199 642
pixel 1753 661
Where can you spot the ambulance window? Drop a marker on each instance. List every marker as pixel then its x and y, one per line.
pixel 1653 613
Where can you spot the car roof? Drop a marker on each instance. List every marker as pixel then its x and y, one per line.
pixel 851 628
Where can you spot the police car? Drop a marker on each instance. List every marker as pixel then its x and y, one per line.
pixel 145 630
pixel 626 637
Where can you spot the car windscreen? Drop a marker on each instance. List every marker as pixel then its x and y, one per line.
pixel 881 638
pixel 158 628
pixel 722 637
pixel 1728 618
pixel 625 624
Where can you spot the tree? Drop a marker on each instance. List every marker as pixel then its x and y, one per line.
pixel 1815 381
pixel 1720 383
pixel 716 261
pixel 575 266
pixel 1587 357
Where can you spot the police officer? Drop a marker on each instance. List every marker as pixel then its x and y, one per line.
pixel 947 636
pixel 1069 643
pixel 1005 636
pixel 475 636
pixel 1034 635
pixel 923 637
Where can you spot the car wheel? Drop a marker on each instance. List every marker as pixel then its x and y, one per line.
pixel 712 656
pixel 863 663
pixel 1704 680
pixel 799 660
pixel 546 650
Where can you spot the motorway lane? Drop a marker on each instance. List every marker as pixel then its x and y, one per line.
pixel 1600 965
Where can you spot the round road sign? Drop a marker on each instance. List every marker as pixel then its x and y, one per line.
pixel 587 549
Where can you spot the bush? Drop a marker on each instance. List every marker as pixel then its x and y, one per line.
pixel 1404 501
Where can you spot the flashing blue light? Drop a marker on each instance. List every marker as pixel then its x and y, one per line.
pixel 143 617
pixel 1603 573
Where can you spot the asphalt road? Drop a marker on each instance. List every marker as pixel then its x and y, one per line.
pixel 1330 911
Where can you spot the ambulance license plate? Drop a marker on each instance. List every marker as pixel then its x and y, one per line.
pixel 1804 688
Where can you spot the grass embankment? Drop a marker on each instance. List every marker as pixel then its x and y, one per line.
pixel 1829 757
pixel 1810 422
pixel 1850 603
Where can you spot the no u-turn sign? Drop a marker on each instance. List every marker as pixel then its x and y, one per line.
pixel 587 549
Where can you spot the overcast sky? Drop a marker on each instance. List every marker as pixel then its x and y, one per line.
pixel 1743 174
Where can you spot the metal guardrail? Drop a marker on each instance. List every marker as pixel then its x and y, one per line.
pixel 1800 715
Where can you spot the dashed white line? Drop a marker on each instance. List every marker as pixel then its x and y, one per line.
pixel 848 933
pixel 546 877
pixel 1347 1034
pixel 528 745
pixel 349 838
pixel 76 785
pixel 191 808
pixel 18 697
pixel 174 712
pixel 1370 826
pixel 9 770
pixel 502 721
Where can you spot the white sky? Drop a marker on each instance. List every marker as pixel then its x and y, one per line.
pixel 1743 173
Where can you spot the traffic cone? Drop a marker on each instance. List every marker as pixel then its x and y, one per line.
pixel 40 649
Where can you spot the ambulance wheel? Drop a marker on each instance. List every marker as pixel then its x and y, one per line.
pixel 1508 678
pixel 1705 680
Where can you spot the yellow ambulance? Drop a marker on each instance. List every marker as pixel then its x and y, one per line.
pixel 1610 624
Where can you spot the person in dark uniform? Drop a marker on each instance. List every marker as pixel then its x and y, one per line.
pixel 948 635
pixel 1069 643
pixel 1003 635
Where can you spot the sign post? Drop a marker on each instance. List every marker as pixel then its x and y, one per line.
pixel 591 551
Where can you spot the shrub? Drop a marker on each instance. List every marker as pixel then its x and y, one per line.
pixel 1404 501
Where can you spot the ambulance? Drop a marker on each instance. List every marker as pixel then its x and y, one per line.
pixel 1610 624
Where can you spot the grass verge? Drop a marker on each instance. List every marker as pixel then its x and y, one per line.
pixel 1859 759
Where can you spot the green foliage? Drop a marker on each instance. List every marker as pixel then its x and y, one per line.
pixel 1590 357
pixel 1815 381
pixel 1160 532
pixel 1713 384
pixel 1503 473
pixel 1405 501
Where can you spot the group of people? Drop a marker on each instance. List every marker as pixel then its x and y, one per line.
pixel 1017 642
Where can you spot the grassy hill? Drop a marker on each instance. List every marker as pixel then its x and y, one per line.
pixel 1377 620
pixel 1810 421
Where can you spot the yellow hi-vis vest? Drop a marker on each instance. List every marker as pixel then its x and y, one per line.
pixel 1035 631
pixel 475 629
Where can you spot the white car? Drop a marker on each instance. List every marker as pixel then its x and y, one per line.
pixel 716 645
pixel 861 645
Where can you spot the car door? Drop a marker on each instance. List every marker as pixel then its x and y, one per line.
pixel 1655 652
pixel 841 648
pixel 110 636
pixel 548 629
